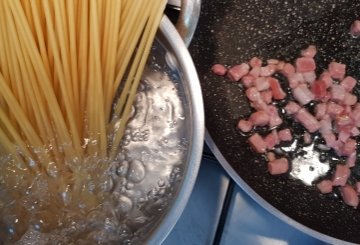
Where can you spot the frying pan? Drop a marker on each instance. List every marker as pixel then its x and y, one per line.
pixel 233 31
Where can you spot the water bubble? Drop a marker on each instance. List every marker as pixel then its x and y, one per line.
pixel 125 204
pixel 136 171
pixel 52 170
pixel 123 168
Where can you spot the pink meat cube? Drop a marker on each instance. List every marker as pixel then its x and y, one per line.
pixel 351 160
pixel 270 156
pixel 302 94
pixel 341 175
pixel 337 70
pixel 309 77
pixel 334 109
pixel 307 120
pixel 267 96
pixel 326 77
pixel 248 81
pixel 275 119
pixel 261 83
pixel 337 93
pixel 259 105
pixel 268 70
pixel 258 143
pixel 309 52
pixel 349 195
pixel 320 111
pixel 272 139
pixel 307 138
pixel 348 83
pixel 255 71
pixel 357 186
pixel 255 62
pixel 273 62
pixel 349 99
pixel 245 125
pixel 236 72
pixel 253 94
pixel 277 92
pixel 319 89
pixel 278 166
pixel 355 28
pixel 285 135
pixel 292 108
pixel 305 64
pixel 219 69
pixel 259 118
pixel 349 147
pixel 325 186
pixel 288 69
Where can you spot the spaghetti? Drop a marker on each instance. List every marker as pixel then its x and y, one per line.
pixel 69 71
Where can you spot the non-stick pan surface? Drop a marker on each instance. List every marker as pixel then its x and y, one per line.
pixel 233 31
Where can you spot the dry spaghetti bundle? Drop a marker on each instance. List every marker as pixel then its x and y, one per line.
pixel 69 71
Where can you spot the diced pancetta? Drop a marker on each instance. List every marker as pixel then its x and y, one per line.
pixel 307 120
pixel 341 175
pixel 219 69
pixel 258 143
pixel 278 166
pixel 236 72
pixel 337 70
pixel 325 186
pixel 349 195
pixel 245 125
pixel 305 64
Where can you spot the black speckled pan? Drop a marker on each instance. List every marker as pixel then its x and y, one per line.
pixel 233 31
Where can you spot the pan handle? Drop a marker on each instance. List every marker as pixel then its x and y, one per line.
pixel 188 19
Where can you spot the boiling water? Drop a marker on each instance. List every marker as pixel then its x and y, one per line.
pixel 119 201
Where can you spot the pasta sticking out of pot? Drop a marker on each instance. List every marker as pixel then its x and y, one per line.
pixel 69 71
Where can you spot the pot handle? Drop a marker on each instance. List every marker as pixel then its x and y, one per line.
pixel 188 19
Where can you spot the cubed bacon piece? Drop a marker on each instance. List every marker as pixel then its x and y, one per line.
pixel 337 93
pixel 337 70
pixel 326 125
pixel 320 110
pixel 280 65
pixel 305 64
pixel 288 69
pixel 248 81
pixel 326 77
pixel 245 125
pixel 272 61
pixel 307 120
pixel 255 62
pixel 355 131
pixel 267 96
pixel 292 108
pixel 257 143
pixel 325 186
pixel 255 71
pixel 268 70
pixel 262 83
pixel 343 136
pixel 319 89
pixel 355 28
pixel 309 52
pixel 330 139
pixel 270 156
pixel 219 69
pixel 348 83
pixel 357 187
pixel 349 147
pixel 236 72
pixel 259 105
pixel 259 118
pixel 349 195
pixel 275 119
pixel 355 114
pixel 341 175
pixel 302 94
pixel 351 160
pixel 349 99
pixel 277 92
pixel 272 139
pixel 334 109
pixel 309 77
pixel 307 138
pixel 285 135
pixel 253 94
pixel 278 166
